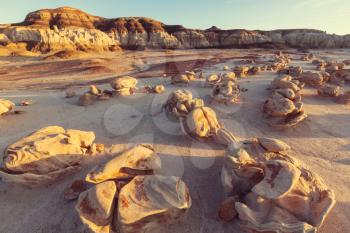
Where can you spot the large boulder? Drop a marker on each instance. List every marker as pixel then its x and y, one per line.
pixel 46 154
pixel 150 203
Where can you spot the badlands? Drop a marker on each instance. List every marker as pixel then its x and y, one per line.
pixel 130 125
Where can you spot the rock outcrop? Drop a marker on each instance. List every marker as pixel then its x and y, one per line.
pixel 6 106
pixel 68 28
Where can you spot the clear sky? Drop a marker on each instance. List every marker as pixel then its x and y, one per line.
pixel 332 16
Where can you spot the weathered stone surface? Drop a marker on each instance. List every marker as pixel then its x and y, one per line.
pixel 139 160
pixel 96 206
pixel 201 123
pixel 273 145
pixel 6 106
pixel 150 203
pixel 46 154
pixel 212 80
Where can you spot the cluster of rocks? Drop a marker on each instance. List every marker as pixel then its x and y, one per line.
pixel 293 71
pixel 125 195
pixel 227 92
pixel 269 191
pixel 122 86
pixel 284 107
pixel 46 155
pixel 181 102
pixel 183 78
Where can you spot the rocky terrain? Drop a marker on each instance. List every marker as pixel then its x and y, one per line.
pixel 72 29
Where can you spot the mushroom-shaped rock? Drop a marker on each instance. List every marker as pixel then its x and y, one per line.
pixel 201 123
pixel 46 154
pixel 150 203
pixel 124 85
pixel 139 160
pixel 96 206
pixel 273 145
pixel 6 106
pixel 227 92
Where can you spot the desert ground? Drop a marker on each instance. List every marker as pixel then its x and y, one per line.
pixel 322 142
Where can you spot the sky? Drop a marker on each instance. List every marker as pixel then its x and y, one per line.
pixel 332 16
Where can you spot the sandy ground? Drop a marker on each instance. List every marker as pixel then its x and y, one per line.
pixel 322 142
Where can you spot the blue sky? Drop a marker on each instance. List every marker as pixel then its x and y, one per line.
pixel 332 16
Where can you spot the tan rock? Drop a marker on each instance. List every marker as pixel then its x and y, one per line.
pixel 96 206
pixel 150 203
pixel 273 145
pixel 201 123
pixel 124 85
pixel 6 106
pixel 46 153
pixel 139 160
pixel 226 92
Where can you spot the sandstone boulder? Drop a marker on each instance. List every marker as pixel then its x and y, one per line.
pixel 6 106
pixel 96 206
pixel 314 78
pixel 201 123
pixel 226 92
pixel 46 154
pixel 124 85
pixel 150 203
pixel 139 160
pixel 212 80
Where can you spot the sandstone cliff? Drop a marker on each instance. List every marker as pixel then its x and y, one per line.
pixel 69 28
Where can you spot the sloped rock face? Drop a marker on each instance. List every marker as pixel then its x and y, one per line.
pixel 54 29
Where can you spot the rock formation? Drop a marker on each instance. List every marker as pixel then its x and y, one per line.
pixel 269 191
pixel 68 28
pixel 128 197
pixel 284 107
pixel 46 155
